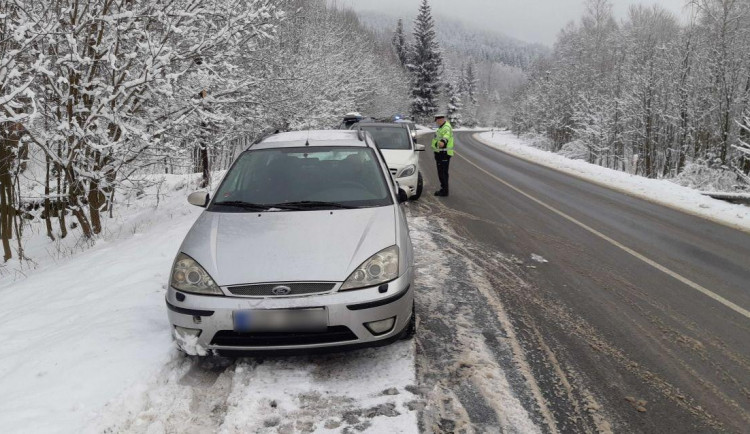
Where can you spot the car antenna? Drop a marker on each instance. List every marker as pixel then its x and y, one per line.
pixel 307 141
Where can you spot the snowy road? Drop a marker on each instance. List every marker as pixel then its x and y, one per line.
pixel 612 342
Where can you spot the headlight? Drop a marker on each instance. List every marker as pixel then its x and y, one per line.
pixel 408 171
pixel 189 276
pixel 380 268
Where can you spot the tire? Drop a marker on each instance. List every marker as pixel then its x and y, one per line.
pixel 420 184
pixel 411 328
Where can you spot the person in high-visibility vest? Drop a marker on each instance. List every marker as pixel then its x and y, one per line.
pixel 442 145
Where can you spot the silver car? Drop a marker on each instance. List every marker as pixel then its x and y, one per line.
pixel 304 247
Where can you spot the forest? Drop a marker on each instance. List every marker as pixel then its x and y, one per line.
pixel 648 94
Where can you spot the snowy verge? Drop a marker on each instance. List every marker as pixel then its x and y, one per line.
pixel 658 191
pixel 78 331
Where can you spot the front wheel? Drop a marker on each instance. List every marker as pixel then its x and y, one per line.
pixel 419 187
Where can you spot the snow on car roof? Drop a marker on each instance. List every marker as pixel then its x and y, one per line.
pixel 382 124
pixel 314 138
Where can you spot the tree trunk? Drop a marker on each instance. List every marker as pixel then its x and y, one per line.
pixel 7 209
pixel 75 195
pixel 205 169
pixel 47 205
pixel 63 207
pixel 97 202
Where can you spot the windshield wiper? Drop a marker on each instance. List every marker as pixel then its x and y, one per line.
pixel 243 205
pixel 311 204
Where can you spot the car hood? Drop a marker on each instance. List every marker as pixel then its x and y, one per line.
pixel 397 158
pixel 242 248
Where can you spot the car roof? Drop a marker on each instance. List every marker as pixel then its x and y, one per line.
pixel 316 138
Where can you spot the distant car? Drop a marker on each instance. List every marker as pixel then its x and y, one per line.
pixel 304 247
pixel 401 153
pixel 350 119
pixel 353 118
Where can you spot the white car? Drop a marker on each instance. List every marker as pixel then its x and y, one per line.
pixel 400 152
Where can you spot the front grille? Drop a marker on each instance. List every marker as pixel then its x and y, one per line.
pixel 393 171
pixel 230 338
pixel 267 289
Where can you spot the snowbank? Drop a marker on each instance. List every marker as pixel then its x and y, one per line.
pixel 658 191
pixel 80 329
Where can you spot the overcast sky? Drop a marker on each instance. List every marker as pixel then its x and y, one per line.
pixel 528 20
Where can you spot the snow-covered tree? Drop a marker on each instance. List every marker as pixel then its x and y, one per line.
pixel 399 44
pixel 455 105
pixel 18 66
pixel 114 82
pixel 742 166
pixel 468 88
pixel 425 65
pixel 470 83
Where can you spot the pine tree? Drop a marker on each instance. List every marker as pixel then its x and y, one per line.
pixel 470 83
pixel 467 87
pixel 425 65
pixel 399 44
pixel 455 105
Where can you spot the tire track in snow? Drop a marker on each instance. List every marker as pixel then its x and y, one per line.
pixel 466 365
pixel 359 391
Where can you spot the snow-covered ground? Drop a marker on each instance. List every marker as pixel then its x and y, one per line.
pixel 81 328
pixel 660 191
pixel 87 348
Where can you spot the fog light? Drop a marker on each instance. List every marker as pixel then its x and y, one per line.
pixel 184 333
pixel 381 327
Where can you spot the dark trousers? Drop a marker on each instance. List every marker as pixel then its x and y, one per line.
pixel 443 161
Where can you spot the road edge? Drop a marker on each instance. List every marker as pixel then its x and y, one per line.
pixel 651 199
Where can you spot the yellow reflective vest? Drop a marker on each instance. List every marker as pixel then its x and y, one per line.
pixel 444 133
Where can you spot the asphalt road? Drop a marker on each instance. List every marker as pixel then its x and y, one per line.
pixel 638 321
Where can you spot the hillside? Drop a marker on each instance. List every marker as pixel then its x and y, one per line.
pixel 453 35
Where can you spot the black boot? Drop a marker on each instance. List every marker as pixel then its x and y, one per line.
pixel 440 193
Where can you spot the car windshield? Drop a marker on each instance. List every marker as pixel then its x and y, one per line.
pixel 389 137
pixel 303 178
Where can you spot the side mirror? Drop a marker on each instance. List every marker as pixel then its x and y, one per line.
pixel 419 147
pixel 402 196
pixel 199 198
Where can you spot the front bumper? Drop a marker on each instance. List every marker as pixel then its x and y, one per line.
pixel 409 183
pixel 348 311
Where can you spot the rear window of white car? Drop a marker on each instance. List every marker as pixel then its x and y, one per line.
pixel 390 137
pixel 343 176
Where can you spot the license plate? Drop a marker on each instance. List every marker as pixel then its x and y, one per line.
pixel 275 320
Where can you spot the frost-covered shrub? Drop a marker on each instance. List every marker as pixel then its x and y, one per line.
pixel 700 176
pixel 575 150
pixel 538 141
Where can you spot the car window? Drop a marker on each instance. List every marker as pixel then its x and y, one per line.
pixel 389 137
pixel 343 176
